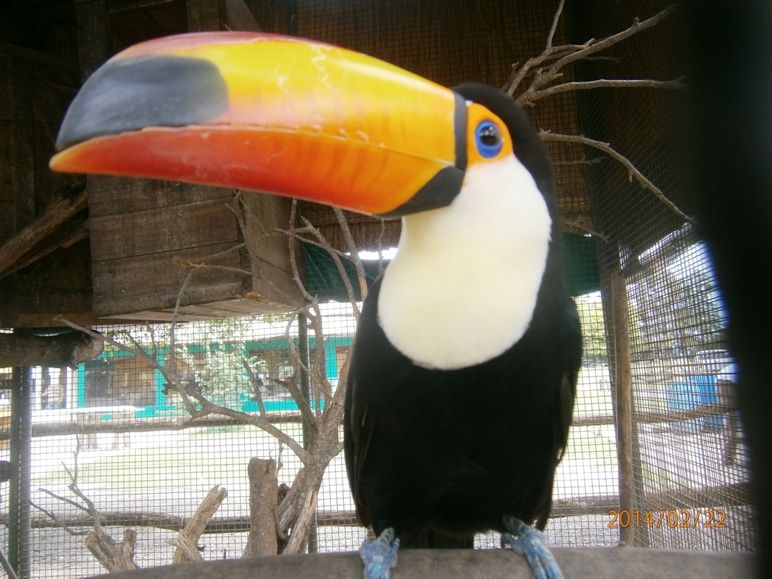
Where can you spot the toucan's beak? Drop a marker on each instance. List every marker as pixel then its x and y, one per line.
pixel 270 113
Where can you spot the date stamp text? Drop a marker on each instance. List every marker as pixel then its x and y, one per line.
pixel 674 519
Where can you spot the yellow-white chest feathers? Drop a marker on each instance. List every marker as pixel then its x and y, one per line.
pixel 463 286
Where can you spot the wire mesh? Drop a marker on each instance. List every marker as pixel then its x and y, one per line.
pixel 690 465
pixel 143 469
pixel 113 428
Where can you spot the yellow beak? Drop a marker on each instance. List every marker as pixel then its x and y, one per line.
pixel 274 114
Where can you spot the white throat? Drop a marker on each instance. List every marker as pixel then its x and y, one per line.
pixel 463 286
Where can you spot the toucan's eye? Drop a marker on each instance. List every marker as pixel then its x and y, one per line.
pixel 488 138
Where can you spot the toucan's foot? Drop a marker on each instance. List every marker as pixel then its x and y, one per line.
pixel 532 543
pixel 380 555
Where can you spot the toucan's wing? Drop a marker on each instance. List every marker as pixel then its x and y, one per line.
pixel 570 360
pixel 358 428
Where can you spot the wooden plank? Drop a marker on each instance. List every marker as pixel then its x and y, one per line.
pixel 275 284
pixel 116 195
pixel 265 216
pixel 211 294
pixel 155 231
pixel 168 229
pixel 268 248
pixel 153 281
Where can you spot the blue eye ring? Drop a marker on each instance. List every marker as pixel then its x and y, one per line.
pixel 487 137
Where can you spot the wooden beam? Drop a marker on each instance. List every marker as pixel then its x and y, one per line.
pixel 220 15
pixel 94 46
pixel 66 349
pixel 603 563
pixel 116 426
pixel 58 212
pixel 203 15
pixel 732 495
pixel 239 17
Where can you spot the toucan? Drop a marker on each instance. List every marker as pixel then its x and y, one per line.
pixel 463 371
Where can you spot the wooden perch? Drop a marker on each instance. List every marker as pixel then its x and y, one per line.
pixel 29 240
pixel 113 555
pixel 187 539
pixel 263 498
pixel 65 349
pixel 598 563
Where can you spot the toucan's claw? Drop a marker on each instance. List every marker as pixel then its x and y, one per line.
pixel 532 543
pixel 379 555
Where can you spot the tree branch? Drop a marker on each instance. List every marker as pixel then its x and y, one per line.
pixel 207 407
pixel 533 96
pixel 338 265
pixel 548 65
pixel 592 47
pixel 187 539
pixel 633 172
pixel 352 248
pixel 256 384
pixel 554 26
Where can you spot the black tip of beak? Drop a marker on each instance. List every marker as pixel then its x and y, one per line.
pixel 150 91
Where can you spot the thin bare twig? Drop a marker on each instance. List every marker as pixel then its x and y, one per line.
pixel 593 47
pixel 56 520
pixel 582 161
pixel 533 96
pixel 291 240
pixel 547 67
pixel 554 26
pixel 633 171
pixel 298 232
pixel 206 407
pixel 171 378
pixel 581 226
pixel 338 265
pixel 256 382
pixel 202 265
pixel 173 326
pixel 353 251
pixel 64 499
pixel 381 233
pixel 303 404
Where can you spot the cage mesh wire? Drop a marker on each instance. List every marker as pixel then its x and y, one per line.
pixel 142 471
pixel 689 461
pixel 689 452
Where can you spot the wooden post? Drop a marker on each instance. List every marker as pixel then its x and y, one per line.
pixel 93 35
pixel 305 389
pixel 624 403
pixel 263 498
pixel 21 460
